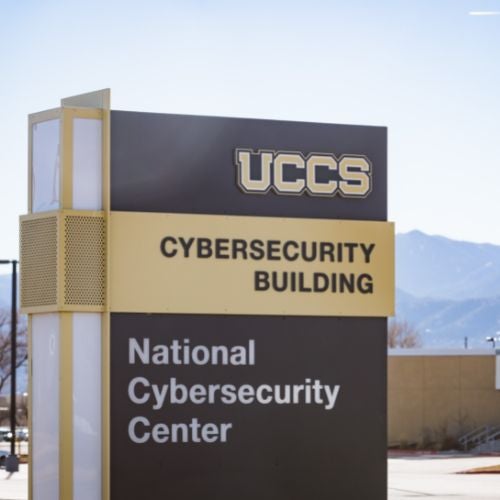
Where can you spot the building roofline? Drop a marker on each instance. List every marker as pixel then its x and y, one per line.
pixel 440 352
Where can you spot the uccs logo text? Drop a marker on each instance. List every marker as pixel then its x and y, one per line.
pixel 318 174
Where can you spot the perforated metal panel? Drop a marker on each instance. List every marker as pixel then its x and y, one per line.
pixel 39 262
pixel 85 261
pixel 63 262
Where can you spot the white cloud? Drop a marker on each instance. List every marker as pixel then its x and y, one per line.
pixel 484 13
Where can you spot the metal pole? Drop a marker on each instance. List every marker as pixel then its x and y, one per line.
pixel 13 335
pixel 12 463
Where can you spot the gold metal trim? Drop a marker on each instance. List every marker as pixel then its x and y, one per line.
pixel 106 159
pixel 80 279
pixel 84 113
pixel 38 259
pixel 66 407
pixel 192 285
pixel 61 259
pixel 43 116
pixel 66 178
pixel 106 317
pixel 96 99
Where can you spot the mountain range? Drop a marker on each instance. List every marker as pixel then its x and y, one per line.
pixel 448 290
pixel 437 267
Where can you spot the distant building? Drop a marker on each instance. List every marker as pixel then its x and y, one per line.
pixel 437 396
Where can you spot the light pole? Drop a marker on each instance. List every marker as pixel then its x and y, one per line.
pixel 494 339
pixel 12 462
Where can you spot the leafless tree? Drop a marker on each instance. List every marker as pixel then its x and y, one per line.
pixel 5 346
pixel 403 334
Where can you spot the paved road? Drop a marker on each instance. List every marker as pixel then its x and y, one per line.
pixel 15 486
pixel 435 477
pixel 429 477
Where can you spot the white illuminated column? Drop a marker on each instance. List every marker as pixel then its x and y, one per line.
pixel 67 172
pixel 44 434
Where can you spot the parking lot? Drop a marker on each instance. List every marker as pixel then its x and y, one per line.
pixel 438 477
pixel 14 486
pixel 410 477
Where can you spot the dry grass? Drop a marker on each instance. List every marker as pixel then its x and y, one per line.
pixel 492 469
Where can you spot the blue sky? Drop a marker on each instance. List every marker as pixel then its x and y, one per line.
pixel 427 69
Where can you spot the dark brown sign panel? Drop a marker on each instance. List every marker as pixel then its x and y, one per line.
pixel 247 406
pixel 187 164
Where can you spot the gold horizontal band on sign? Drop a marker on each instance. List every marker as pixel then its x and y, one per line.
pixel 144 280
